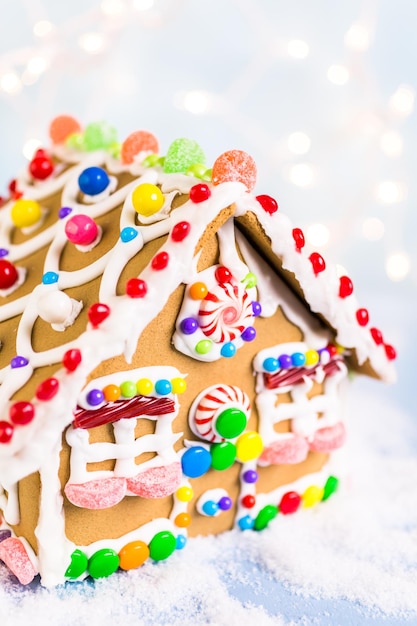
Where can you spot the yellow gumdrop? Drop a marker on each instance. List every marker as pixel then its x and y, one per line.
pixel 178 385
pixel 312 495
pixel 144 387
pixel 249 446
pixel 184 494
pixel 312 357
pixel 25 213
pixel 147 199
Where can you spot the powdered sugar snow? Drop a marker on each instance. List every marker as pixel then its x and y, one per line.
pixel 350 560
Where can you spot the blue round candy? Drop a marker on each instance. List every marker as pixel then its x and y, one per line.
pixel 163 387
pixel 210 508
pixel 245 523
pixel 228 350
pixel 128 234
pixel 93 180
pixel 49 278
pixel 270 364
pixel 298 359
pixel 195 461
pixel 181 541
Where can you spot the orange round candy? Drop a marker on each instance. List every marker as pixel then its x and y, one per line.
pixel 111 393
pixel 235 166
pixel 198 291
pixel 62 127
pixel 139 141
pixel 183 520
pixel 133 555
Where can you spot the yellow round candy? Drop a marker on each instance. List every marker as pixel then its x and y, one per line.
pixel 25 213
pixel 184 494
pixel 198 291
pixel 133 555
pixel 178 385
pixel 111 393
pixel 312 495
pixel 144 387
pixel 312 357
pixel 147 199
pixel 249 446
pixel 182 520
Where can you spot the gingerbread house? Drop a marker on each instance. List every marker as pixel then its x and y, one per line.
pixel 173 358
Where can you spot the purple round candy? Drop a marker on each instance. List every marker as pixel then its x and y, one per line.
pixel 225 503
pixel 95 397
pixel 18 361
pixel 3 252
pixel 248 334
pixel 285 361
pixel 256 308
pixel 189 325
pixel 64 211
pixel 250 476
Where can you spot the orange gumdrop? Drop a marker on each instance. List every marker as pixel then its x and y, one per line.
pixel 139 141
pixel 235 166
pixel 62 127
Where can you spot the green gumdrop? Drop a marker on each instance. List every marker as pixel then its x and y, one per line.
pixel 76 141
pixel 78 565
pixel 223 455
pixel 330 487
pixel 264 516
pixel 103 563
pixel 99 136
pixel 182 154
pixel 162 545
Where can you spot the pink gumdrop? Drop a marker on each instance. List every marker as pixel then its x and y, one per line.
pixel 156 482
pixel 97 494
pixel 237 166
pixel 13 554
pixel 81 230
pixel 62 127
pixel 285 451
pixel 329 438
pixel 139 141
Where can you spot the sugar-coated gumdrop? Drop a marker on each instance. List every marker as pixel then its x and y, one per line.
pixel 286 451
pixel 97 494
pixel 182 154
pixel 141 141
pixel 13 554
pixel 25 213
pixel 62 127
pixel 156 482
pixel 329 438
pixel 8 274
pixel 237 166
pixel 99 136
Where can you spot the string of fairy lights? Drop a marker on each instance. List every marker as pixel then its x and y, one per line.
pixel 89 35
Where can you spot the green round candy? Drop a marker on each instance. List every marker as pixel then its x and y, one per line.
pixel 223 455
pixel 103 563
pixel 78 565
pixel 128 389
pixel 182 154
pixel 204 346
pixel 330 487
pixel 76 141
pixel 264 516
pixel 99 136
pixel 231 423
pixel 162 545
pixel 250 280
pixel 151 160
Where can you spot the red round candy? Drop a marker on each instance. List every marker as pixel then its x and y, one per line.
pixel 345 287
pixel 362 316
pixel 290 502
pixel 136 288
pixel 269 204
pixel 180 231
pixel 47 389
pixel 318 263
pixel 6 431
pixel 223 275
pixel 299 238
pixel 235 166
pixel 139 141
pixel 160 261
pixel 97 313
pixel 71 359
pixel 376 335
pixel 21 413
pixel 8 274
pixel 248 501
pixel 41 166
pixel 331 349
pixel 199 193
pixel 390 351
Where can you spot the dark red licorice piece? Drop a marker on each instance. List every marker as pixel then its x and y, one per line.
pixel 345 287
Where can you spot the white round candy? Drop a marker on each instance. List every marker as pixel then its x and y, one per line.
pixel 54 307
